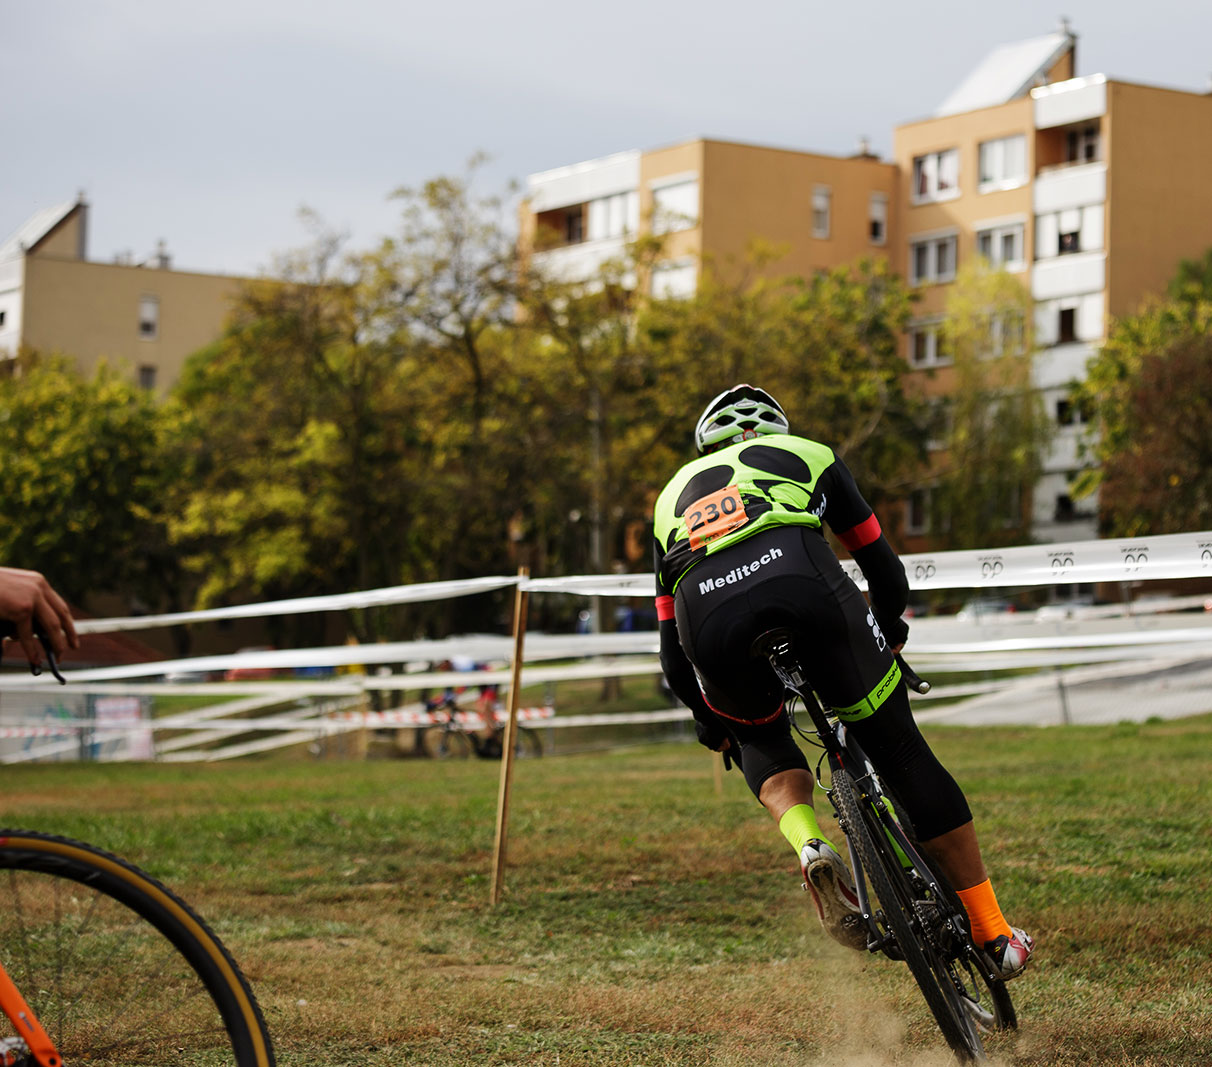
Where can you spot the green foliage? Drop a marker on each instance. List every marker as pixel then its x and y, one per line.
pixel 1160 478
pixel 826 347
pixel 1137 406
pixel 84 479
pixel 995 428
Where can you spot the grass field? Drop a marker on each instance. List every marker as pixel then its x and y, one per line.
pixel 649 920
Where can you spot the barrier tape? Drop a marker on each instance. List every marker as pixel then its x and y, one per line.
pixel 1143 559
pixel 430 718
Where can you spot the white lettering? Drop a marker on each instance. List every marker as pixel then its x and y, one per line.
pixel 739 574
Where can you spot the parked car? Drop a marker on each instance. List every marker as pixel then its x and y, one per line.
pixel 985 609
pixel 249 674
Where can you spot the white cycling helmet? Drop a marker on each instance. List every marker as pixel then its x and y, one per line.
pixel 736 414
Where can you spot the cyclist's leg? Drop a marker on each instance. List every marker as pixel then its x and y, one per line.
pixel 857 680
pixel 717 623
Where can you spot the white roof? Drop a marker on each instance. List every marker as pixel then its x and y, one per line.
pixel 37 226
pixel 1008 72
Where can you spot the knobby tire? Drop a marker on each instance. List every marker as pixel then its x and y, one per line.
pixel 887 878
pixel 116 967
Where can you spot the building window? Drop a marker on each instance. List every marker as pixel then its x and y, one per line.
pixel 821 200
pixel 1081 145
pixel 1071 414
pixel 675 206
pixel 1008 334
pixel 149 317
pixel 147 377
pixel 1068 243
pixel 1002 246
pixel 3 313
pixel 612 216
pixel 1067 326
pixel 936 176
pixel 877 212
pixel 917 512
pixel 932 259
pixel 1003 163
pixel 925 345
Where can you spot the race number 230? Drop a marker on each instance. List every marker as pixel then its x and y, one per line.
pixel 714 515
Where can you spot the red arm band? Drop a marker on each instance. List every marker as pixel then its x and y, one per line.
pixel 862 535
pixel 664 606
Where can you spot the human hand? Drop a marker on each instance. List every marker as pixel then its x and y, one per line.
pixel 28 601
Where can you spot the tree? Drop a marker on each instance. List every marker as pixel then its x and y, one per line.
pixel 85 481
pixel 299 445
pixel 1115 397
pixel 995 429
pixel 828 348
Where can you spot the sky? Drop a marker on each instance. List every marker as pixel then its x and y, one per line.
pixel 211 125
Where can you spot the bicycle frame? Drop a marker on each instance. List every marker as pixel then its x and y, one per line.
pixel 843 752
pixel 26 1024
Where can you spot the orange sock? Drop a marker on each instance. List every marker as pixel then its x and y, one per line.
pixel 984 915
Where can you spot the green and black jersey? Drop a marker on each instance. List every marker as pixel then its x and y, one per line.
pixel 767 482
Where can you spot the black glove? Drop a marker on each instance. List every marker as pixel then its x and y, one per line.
pixel 895 629
pixel 712 735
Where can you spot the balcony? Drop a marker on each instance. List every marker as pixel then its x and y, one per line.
pixel 1071 275
pixel 1068 186
pixel 1059 365
pixel 1076 100
pixel 579 262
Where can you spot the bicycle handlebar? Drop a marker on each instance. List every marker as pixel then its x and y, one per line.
pixel 917 684
pixel 8 628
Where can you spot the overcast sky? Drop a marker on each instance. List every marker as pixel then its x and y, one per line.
pixel 211 124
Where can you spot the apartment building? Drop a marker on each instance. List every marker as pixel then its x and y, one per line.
pixel 1091 189
pixel 710 200
pixel 143 318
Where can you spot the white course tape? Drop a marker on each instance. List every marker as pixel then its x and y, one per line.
pixel 399 594
pixel 1168 556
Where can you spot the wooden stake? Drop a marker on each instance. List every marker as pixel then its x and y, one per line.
pixel 511 732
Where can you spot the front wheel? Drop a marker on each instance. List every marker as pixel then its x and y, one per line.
pixel 442 742
pixel 116 968
pixel 911 918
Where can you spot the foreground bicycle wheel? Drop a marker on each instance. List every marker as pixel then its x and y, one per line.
pixel 118 969
pixel 916 924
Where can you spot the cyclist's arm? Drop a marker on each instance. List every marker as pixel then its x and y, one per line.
pixel 851 518
pixel 29 603
pixel 679 671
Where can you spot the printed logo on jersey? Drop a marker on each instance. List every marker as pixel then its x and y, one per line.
pixel 876 632
pixel 739 574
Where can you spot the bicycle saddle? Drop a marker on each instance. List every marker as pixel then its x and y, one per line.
pixel 771 641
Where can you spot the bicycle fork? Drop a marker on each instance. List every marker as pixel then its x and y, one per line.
pixel 32 1039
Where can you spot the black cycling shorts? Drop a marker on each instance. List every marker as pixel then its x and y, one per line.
pixel 789 577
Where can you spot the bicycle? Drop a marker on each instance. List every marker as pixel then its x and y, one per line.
pixel 462 733
pixel 101 962
pixel 918 918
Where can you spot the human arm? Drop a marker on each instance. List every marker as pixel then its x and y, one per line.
pixel 856 526
pixel 28 601
pixel 679 671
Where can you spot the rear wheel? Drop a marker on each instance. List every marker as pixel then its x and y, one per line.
pixel 528 745
pixel 916 922
pixel 116 968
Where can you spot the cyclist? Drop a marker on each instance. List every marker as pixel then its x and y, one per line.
pixel 28 602
pixel 740 549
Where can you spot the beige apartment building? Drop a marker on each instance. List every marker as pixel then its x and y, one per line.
pixel 710 200
pixel 143 318
pixel 1091 189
